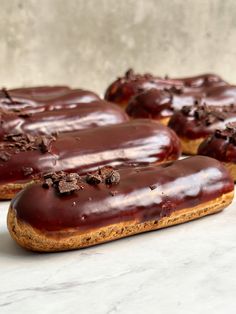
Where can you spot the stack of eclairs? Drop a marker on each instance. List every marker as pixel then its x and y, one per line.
pixel 82 170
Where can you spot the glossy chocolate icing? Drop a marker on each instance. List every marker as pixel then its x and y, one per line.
pixel 220 96
pixel 123 89
pixel 191 124
pixel 139 142
pixel 42 98
pixel 86 115
pixel 220 145
pixel 203 80
pixel 143 194
pixel 158 104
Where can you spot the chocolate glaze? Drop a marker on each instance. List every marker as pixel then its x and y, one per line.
pixel 123 89
pixel 220 96
pixel 158 104
pixel 86 115
pixel 203 80
pixel 139 142
pixel 190 123
pixel 42 98
pixel 143 194
pixel 220 145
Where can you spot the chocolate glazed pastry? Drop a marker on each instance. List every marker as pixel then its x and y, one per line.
pixel 222 96
pixel 222 146
pixel 193 125
pixel 139 142
pixel 160 104
pixel 68 212
pixel 202 81
pixel 123 89
pixel 44 98
pixel 86 115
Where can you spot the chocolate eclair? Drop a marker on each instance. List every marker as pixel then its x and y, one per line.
pixel 140 142
pixel 70 212
pixel 160 105
pixel 194 124
pixel 220 97
pixel 131 84
pixel 221 145
pixel 44 98
pixel 202 81
pixel 86 115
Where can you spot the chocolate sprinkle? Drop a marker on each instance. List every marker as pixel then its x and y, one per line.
pixel 106 175
pixel 44 144
pixel 228 134
pixel 112 178
pixel 204 114
pixel 65 186
pixel 93 179
pixel 152 187
pixel 186 110
pixel 63 183
pixel 27 171
pixel 27 142
pixel 129 74
pixel 7 95
pixel 4 156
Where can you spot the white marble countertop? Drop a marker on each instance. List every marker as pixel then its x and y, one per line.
pixel 189 268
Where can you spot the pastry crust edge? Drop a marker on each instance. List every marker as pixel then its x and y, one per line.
pixel 68 239
pixel 190 147
pixel 231 166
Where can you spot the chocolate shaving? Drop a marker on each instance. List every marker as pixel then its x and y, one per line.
pixel 27 171
pixel 174 90
pixel 27 142
pixel 4 156
pixel 63 183
pixel 44 143
pixel 65 186
pixel 24 114
pixel 106 175
pixel 204 114
pixel 7 95
pixel 228 134
pixel 93 179
pixel 129 74
pixel 112 178
pixel 186 110
pixel 47 183
pixel 152 187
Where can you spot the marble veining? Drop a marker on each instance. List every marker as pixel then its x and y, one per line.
pixel 188 268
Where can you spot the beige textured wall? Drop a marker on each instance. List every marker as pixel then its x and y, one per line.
pixel 89 42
